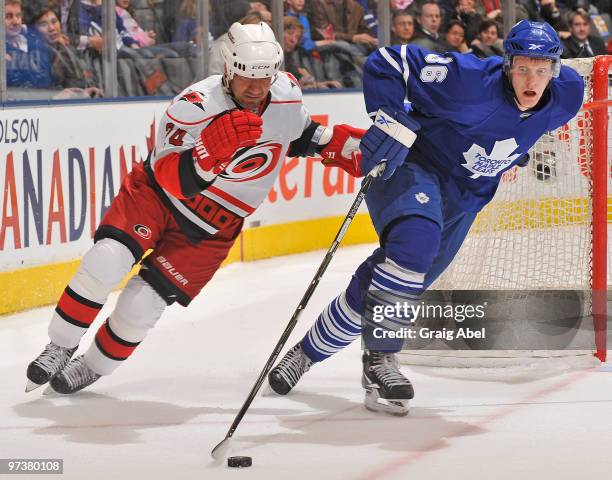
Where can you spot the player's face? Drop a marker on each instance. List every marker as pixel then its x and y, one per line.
pixel 403 27
pixel 529 78
pixel 12 20
pixel 49 26
pixel 250 92
pixel 580 28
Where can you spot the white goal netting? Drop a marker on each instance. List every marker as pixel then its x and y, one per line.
pixel 538 232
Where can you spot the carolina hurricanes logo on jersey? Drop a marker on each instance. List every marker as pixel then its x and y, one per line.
pixel 196 98
pixel 193 97
pixel 253 163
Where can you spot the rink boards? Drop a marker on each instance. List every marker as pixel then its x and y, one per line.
pixel 61 166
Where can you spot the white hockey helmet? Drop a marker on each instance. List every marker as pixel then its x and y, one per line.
pixel 251 51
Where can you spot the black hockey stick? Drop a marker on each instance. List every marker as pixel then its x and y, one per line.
pixel 218 453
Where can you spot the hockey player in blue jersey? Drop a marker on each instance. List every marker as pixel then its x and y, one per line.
pixel 468 122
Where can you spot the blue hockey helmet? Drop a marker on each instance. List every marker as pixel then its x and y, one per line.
pixel 535 40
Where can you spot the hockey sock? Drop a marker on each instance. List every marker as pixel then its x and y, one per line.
pixel 411 244
pixel 101 269
pixel 340 323
pixel 137 311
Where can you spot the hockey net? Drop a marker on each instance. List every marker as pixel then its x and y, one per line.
pixel 546 228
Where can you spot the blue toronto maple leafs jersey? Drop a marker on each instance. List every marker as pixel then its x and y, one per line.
pixel 471 129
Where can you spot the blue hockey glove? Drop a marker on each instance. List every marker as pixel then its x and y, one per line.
pixel 388 140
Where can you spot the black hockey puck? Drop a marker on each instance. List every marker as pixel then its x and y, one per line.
pixel 239 462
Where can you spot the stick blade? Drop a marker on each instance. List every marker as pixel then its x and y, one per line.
pixel 220 451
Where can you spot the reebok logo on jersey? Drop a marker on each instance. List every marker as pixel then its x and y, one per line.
pixel 535 46
pixel 480 163
pixel 143 231
pixel 171 270
pixel 422 198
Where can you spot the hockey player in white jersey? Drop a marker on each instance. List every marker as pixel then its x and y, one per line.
pixel 469 121
pixel 220 147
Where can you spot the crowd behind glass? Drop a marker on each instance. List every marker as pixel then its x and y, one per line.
pixel 54 48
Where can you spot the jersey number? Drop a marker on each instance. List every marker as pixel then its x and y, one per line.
pixel 437 72
pixel 176 138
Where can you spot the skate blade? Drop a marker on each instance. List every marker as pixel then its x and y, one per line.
pixel 49 392
pixel 398 408
pixel 267 391
pixel 32 386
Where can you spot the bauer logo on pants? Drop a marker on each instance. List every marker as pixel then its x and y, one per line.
pixel 163 261
pixel 143 231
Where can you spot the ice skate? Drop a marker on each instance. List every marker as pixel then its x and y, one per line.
pixel 76 376
pixel 289 370
pixel 387 390
pixel 52 360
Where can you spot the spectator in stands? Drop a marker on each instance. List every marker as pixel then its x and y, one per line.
pixel 581 43
pixel 16 31
pixel 292 33
pixel 91 23
pixel 216 62
pixel 67 69
pixel 401 4
pixel 145 40
pixel 493 9
pixel 70 17
pixel 344 20
pixel 547 11
pixel 186 30
pixel 28 62
pixel 402 27
pixel 327 59
pixel 465 11
pixel 454 36
pixel 488 43
pixel 225 12
pixel 263 10
pixel 603 6
pixel 370 15
pixel 125 10
pixel 429 20
pixel 348 39
pixel 295 8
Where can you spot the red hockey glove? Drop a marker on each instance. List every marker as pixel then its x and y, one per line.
pixel 222 137
pixel 343 150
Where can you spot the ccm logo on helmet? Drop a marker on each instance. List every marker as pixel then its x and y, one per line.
pixel 260 67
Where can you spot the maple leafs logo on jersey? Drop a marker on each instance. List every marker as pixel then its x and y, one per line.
pixel 197 98
pixel 480 163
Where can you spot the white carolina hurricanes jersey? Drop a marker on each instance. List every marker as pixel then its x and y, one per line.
pixel 246 181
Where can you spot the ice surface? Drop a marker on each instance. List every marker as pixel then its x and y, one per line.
pixel 160 414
